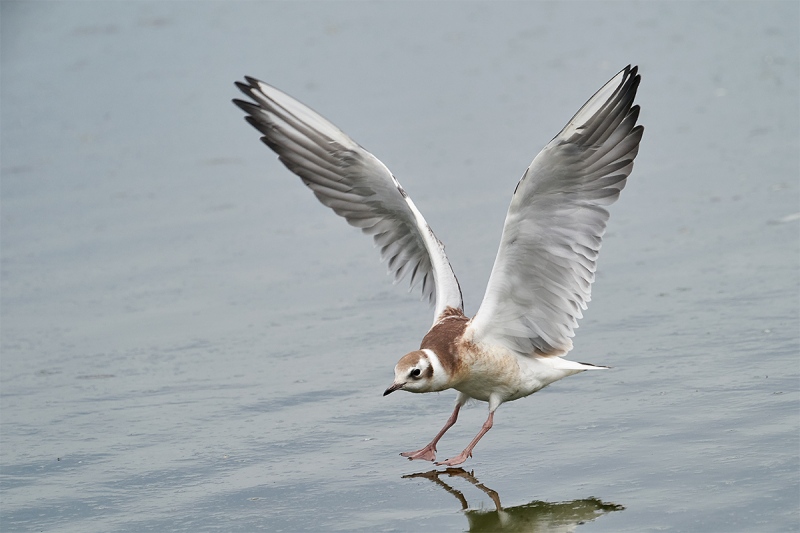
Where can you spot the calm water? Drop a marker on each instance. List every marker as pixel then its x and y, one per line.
pixel 191 343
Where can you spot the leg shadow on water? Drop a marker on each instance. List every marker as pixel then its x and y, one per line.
pixel 536 516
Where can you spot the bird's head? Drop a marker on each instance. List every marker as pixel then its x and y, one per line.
pixel 416 372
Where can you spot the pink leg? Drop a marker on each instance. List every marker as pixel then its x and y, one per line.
pixel 467 453
pixel 429 452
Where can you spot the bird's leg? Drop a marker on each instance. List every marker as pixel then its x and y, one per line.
pixel 467 453
pixel 429 452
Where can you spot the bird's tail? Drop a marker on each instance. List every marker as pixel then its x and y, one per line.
pixel 566 364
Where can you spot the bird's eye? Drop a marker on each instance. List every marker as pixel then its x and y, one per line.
pixel 415 373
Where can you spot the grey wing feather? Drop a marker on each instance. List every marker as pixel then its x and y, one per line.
pixel 356 185
pixel 542 276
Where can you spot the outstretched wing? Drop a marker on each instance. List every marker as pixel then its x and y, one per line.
pixel 542 276
pixel 357 186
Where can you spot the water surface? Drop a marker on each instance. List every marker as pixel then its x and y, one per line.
pixel 191 343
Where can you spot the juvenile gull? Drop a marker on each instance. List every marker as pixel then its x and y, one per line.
pixel 542 276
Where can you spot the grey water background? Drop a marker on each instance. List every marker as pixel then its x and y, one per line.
pixel 190 342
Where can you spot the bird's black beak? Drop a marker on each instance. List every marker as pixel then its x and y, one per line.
pixel 394 387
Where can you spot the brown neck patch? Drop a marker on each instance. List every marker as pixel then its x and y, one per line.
pixel 451 311
pixel 445 337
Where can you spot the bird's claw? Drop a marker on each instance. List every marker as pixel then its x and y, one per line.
pixel 428 453
pixel 457 460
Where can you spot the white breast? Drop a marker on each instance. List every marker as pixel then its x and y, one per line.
pixel 497 371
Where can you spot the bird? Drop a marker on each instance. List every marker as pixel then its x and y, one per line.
pixel 541 280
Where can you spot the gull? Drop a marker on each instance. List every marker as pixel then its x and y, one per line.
pixel 542 276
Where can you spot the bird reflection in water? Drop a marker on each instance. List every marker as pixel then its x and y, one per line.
pixel 536 516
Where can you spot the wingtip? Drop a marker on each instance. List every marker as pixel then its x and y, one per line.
pixel 244 105
pixel 629 74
